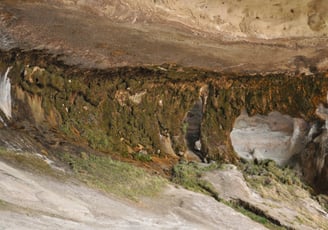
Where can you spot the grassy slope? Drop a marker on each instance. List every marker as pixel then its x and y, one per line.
pixel 99 172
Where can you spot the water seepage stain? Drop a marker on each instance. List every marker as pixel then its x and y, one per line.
pixel 5 94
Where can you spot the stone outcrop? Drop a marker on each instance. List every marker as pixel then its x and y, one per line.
pixel 275 136
pixel 131 109
pixel 40 203
pixel 287 205
pixel 314 158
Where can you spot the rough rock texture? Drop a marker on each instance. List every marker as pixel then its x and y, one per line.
pixel 137 109
pixel 28 201
pixel 314 163
pixel 51 95
pixel 163 79
pixel 314 157
pixel 246 18
pixel 292 207
pixel 277 137
pixel 220 35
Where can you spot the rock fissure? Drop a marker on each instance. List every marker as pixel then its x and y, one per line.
pixel 257 211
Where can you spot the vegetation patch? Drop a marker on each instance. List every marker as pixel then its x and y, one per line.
pixel 189 175
pixel 283 185
pixel 274 182
pixel 142 156
pixel 119 178
pixel 266 173
pixel 29 162
pixel 3 204
pixel 254 215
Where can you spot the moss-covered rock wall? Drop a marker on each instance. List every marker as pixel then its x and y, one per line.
pixel 292 94
pixel 130 110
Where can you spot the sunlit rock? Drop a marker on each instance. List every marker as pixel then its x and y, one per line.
pixel 137 98
pixel 5 94
pixel 276 136
pixel 247 18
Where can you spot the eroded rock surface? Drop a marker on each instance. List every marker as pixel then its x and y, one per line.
pixel 275 136
pixel 291 206
pixel 220 35
pixel 247 18
pixel 314 158
pixel 32 202
pixel 95 73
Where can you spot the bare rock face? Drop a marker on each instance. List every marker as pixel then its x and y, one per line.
pixel 275 136
pixel 314 163
pixel 246 18
pixel 314 159
pixel 285 140
pixel 289 204
pixel 34 202
pixel 228 35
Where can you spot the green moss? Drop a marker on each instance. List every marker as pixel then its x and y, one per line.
pixel 114 177
pixel 144 157
pixel 29 162
pixel 266 172
pixel 184 128
pixel 69 90
pixel 3 204
pixel 257 218
pixel 56 82
pixel 189 175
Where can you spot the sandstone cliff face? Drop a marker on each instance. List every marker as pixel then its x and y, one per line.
pixel 162 81
pixel 238 19
pixel 278 36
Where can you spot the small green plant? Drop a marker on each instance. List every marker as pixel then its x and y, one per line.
pixel 140 156
pixel 184 127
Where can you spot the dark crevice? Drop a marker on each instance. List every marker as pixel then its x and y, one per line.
pixel 193 122
pixel 255 210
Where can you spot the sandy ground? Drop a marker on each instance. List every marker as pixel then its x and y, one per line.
pixel 28 201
